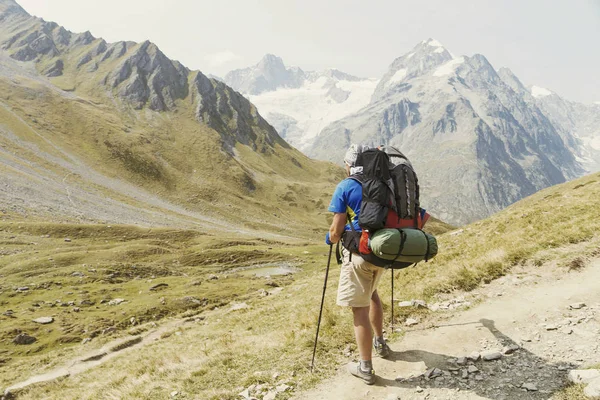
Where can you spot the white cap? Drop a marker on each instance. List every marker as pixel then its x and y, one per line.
pixel 352 154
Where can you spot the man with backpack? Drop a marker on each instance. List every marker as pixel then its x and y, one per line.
pixel 380 202
pixel 358 278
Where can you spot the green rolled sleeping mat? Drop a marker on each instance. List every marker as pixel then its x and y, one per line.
pixel 416 245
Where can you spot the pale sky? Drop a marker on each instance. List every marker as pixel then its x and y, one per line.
pixel 549 43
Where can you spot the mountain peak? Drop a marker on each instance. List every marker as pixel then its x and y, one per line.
pixel 426 56
pixel 537 92
pixel 269 74
pixel 432 42
pixel 271 59
pixel 11 7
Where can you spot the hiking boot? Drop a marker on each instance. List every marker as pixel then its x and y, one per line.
pixel 381 349
pixel 368 377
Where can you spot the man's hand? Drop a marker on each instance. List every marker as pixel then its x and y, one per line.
pixel 327 241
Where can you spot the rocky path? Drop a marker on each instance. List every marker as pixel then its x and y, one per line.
pixel 534 327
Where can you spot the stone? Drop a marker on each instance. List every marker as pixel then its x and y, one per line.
pixel 405 304
pixel 551 327
pixel 116 302
pixel 158 286
pixel 577 306
pixel 44 320
pixel 419 303
pixel 592 390
pixel 566 331
pixel 433 373
pixel 67 240
pixel 282 388
pixel 86 340
pixel 474 356
pixel 212 277
pixel 411 322
pixel 23 289
pixel 472 369
pixel 464 374
pixel 510 349
pixel 530 387
pixel 583 375
pixel 491 356
pixel 239 306
pixel 461 361
pixel 245 394
pixel 392 397
pixel 270 396
pixel 24 339
pixel 419 389
pixel 78 274
pixel 174 393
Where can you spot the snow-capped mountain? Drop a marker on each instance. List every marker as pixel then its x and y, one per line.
pixel 479 139
pixel 578 123
pixel 300 104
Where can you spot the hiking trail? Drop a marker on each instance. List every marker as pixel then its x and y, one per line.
pixel 538 310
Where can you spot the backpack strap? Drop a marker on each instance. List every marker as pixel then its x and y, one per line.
pixel 338 255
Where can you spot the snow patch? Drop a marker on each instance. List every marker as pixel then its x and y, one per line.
pixel 311 107
pixel 449 67
pixel 597 103
pixel 409 56
pixel 439 50
pixel 397 77
pixel 593 142
pixel 434 43
pixel 538 92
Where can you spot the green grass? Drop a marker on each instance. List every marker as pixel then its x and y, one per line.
pixel 279 192
pixel 226 351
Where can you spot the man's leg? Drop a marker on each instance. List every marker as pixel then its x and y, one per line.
pixel 376 315
pixel 362 331
pixel 376 319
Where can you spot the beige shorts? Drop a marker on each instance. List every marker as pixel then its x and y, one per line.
pixel 358 281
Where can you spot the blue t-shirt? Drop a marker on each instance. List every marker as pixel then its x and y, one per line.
pixel 346 199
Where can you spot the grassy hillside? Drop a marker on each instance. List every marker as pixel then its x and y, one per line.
pixel 169 155
pixel 268 339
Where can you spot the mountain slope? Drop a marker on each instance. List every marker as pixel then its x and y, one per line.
pixel 460 123
pixel 579 122
pixel 122 121
pixel 300 104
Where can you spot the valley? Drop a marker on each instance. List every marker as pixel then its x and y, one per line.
pixel 161 229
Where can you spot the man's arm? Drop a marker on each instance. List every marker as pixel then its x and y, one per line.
pixel 337 227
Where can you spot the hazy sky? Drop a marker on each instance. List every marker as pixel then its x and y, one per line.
pixel 549 43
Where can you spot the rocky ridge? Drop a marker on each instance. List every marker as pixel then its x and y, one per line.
pixel 461 121
pixel 298 103
pixel 138 74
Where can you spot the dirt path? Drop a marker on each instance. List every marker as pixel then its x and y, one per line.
pixel 529 310
pixel 95 358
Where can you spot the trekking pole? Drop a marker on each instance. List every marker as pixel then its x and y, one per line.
pixel 312 365
pixel 392 301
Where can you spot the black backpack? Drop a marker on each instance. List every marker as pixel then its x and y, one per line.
pixel 390 199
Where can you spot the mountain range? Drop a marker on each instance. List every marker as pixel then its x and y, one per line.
pixel 479 138
pixel 300 104
pixel 118 132
pixel 84 120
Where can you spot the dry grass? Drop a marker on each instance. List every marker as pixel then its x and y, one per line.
pixel 224 351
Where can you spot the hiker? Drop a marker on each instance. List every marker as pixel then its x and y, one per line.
pixel 358 278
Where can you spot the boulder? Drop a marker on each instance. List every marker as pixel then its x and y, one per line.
pixel 592 390
pixel 583 375
pixel 44 320
pixel 23 339
pixel 491 356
